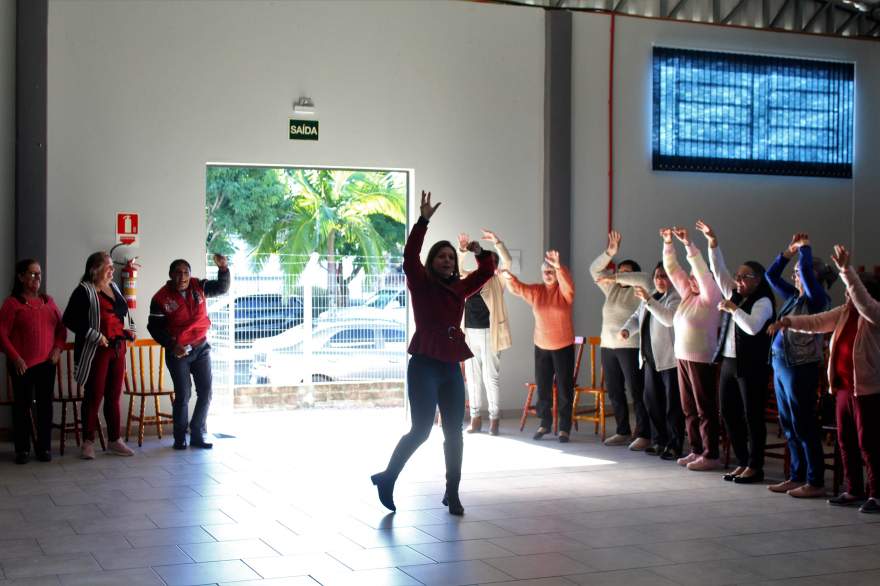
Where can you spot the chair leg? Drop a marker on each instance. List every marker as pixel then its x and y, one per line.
pixel 158 418
pixel 76 425
pixel 574 408
pixel 63 434
pixel 130 414
pixel 602 405
pixel 141 421
pixel 525 413
pixel 101 437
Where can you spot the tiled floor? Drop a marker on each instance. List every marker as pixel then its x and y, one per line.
pixel 287 502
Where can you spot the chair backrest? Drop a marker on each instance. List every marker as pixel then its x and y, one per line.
pixel 597 375
pixel 65 385
pixel 578 356
pixel 146 367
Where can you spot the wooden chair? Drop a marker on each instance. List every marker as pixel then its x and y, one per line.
pixel 771 415
pixel 530 409
pixel 595 387
pixel 144 379
pixel 69 394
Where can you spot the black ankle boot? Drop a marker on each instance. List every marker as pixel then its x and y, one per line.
pixel 386 490
pixel 451 500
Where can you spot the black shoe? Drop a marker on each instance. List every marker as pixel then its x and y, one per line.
pixel 179 445
pixel 44 456
pixel 670 454
pixel 563 438
pixel 539 434
pixel 729 477
pixel 845 499
pixel 201 444
pixel 871 506
pixel 386 490
pixel 22 457
pixel 454 504
pixel 753 479
pixel 654 450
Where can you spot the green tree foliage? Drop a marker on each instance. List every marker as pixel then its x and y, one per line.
pixel 243 202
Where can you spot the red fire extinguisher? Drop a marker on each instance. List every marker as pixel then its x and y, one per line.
pixel 129 282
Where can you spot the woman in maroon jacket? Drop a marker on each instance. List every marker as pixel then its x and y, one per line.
pixel 433 376
pixel 31 336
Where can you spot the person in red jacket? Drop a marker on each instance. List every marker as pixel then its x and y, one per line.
pixel 31 336
pixel 179 321
pixel 433 376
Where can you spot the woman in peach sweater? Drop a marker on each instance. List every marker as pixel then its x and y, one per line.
pixel 551 303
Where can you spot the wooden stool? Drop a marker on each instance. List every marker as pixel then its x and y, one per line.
pixel 136 387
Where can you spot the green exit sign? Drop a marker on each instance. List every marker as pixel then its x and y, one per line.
pixel 303 129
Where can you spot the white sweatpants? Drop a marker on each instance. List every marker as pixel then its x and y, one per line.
pixel 482 372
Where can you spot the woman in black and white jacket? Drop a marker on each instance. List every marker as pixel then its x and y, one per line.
pixel 98 316
pixel 653 321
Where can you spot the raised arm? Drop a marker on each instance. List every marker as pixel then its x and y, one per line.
pixel 527 292
pixel 220 285
pixel 412 263
pixel 677 275
pixel 485 269
pixel 867 306
pixel 634 279
pixel 709 291
pixel 817 297
pixel 777 282
pixel 599 267
pixel 500 248
pixel 461 252
pixel 716 261
pixel 563 276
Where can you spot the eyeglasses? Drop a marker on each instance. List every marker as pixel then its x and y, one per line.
pixel 34 275
pixel 744 276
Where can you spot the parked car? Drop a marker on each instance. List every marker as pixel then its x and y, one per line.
pixel 341 350
pixel 257 316
pixel 384 304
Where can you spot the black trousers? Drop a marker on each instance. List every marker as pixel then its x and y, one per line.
pixel 561 364
pixel 743 399
pixel 33 390
pixel 621 366
pixel 663 402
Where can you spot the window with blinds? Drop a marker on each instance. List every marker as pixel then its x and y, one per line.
pixel 732 113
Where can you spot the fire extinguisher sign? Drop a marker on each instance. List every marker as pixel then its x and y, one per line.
pixel 127 228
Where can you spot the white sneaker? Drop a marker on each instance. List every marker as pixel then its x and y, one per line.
pixel 617 440
pixel 639 444
pixel 118 448
pixel 87 451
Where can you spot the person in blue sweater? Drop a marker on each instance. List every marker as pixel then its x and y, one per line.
pixel 797 364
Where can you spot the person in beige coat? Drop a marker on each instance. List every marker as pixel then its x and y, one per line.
pixel 487 331
pixel 854 378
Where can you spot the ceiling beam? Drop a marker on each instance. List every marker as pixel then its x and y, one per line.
pixel 779 13
pixel 677 8
pixel 822 9
pixel 733 12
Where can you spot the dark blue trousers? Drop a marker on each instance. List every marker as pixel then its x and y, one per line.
pixel 796 398
pixel 195 366
pixel 431 384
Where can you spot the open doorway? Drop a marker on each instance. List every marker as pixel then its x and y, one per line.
pixel 317 312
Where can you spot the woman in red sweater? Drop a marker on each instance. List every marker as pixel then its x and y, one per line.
pixel 433 376
pixel 31 336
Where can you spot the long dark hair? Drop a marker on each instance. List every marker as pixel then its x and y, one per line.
pixel 435 250
pixel 21 268
pixel 93 263
pixel 763 289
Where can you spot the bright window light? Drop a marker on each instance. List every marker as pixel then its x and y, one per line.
pixel 734 113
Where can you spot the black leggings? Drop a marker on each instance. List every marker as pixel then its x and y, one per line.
pixel 561 364
pixel 743 399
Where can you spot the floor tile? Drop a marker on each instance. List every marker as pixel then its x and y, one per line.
pixel 207 573
pixel 142 557
pixel 381 557
pixel 457 573
pixel 542 565
pixel 137 577
pixel 228 550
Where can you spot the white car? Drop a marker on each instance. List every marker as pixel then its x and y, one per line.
pixel 341 350
pixel 384 304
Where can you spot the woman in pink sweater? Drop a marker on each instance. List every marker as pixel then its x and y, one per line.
pixel 696 335
pixel 32 336
pixel 854 378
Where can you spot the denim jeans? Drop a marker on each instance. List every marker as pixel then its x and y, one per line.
pixel 796 388
pixel 431 384
pixel 195 366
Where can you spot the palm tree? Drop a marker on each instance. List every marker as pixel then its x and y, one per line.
pixel 333 212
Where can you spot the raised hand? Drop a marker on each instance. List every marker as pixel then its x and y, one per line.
pixel 221 261
pixel 840 256
pixel 552 258
pixel 666 235
pixel 614 239
pixel 707 231
pixel 681 234
pixel 797 240
pixel 778 325
pixel 474 247
pixel 426 208
pixel 505 273
pixel 490 236
pixel 728 306
pixel 641 293
pixel 463 241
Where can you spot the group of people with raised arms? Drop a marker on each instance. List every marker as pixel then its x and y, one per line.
pixel 33 333
pixel 690 345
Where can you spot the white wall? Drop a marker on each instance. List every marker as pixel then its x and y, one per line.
pixel 142 94
pixel 753 215
pixel 7 157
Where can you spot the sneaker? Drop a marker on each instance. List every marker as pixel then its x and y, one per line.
pixel 871 506
pixel 846 499
pixel 541 432
pixel 87 451
pixel 784 487
pixel 670 454
pixel 692 457
pixel 617 440
pixel 119 448
pixel 563 437
pixel 807 491
pixel 703 464
pixel 639 444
